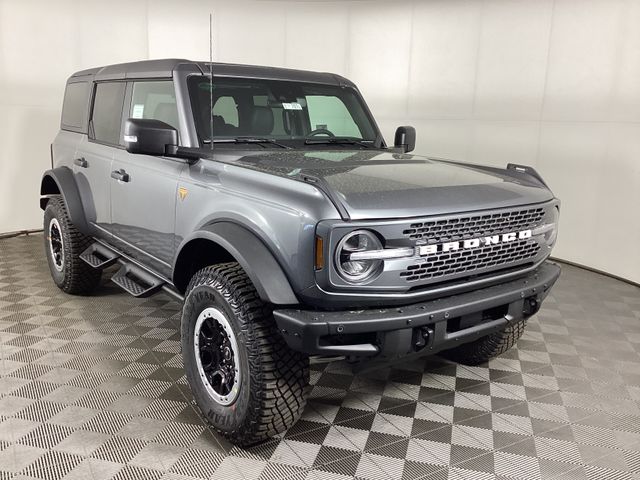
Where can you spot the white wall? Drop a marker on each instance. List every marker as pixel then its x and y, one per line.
pixel 553 84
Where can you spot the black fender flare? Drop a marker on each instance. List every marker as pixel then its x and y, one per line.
pixel 253 256
pixel 66 183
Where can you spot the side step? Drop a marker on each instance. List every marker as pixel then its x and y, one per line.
pixel 99 256
pixel 137 281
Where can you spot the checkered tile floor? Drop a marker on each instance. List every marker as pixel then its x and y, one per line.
pixel 92 388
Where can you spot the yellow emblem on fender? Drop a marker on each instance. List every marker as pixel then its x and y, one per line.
pixel 182 193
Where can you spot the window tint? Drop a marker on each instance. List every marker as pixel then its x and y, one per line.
pixel 107 112
pixel 283 110
pixel 75 106
pixel 226 108
pixel 157 100
pixel 330 113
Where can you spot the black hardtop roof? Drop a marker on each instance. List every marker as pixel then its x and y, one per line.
pixel 165 68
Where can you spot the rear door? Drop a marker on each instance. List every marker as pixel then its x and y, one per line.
pixel 143 202
pixel 94 155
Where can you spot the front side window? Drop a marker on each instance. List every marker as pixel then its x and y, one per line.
pixel 156 100
pixel 106 119
pixel 284 111
pixel 330 113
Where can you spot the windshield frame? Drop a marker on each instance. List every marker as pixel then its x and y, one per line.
pixel 298 142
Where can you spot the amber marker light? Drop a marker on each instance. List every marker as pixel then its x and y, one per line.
pixel 319 253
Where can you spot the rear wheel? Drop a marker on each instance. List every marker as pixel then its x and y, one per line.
pixel 488 347
pixel 63 244
pixel 247 382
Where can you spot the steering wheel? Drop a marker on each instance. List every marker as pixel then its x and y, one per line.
pixel 320 131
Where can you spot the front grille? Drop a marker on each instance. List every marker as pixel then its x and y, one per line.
pixel 467 261
pixel 474 226
pixel 456 263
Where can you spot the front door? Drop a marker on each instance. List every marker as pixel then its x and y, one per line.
pixel 144 188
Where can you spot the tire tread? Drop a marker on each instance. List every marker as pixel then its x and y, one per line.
pixel 279 383
pixel 79 278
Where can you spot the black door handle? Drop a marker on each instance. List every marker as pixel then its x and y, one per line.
pixel 120 175
pixel 81 162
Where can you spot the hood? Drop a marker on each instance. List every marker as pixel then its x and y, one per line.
pixel 375 184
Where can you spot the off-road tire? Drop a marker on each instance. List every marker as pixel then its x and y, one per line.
pixel 274 379
pixel 76 277
pixel 481 350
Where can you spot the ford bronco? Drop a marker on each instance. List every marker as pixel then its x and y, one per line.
pixel 268 202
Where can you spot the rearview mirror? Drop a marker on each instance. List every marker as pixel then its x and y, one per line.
pixel 148 136
pixel 405 138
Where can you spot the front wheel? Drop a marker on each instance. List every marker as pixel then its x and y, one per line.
pixel 247 382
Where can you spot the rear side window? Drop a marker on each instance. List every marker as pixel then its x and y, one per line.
pixel 75 107
pixel 155 99
pixel 106 119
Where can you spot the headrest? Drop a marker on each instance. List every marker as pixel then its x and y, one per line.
pixel 218 123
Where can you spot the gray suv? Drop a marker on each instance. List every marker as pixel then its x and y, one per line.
pixel 267 201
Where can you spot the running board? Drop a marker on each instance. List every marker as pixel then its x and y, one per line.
pixel 136 281
pixel 99 256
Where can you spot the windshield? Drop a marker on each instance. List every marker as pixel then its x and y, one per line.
pixel 278 111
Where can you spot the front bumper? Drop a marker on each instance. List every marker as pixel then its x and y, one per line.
pixel 420 328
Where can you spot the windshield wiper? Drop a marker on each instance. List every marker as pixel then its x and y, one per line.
pixel 249 140
pixel 336 141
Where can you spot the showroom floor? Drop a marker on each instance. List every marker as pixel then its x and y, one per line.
pixel 92 388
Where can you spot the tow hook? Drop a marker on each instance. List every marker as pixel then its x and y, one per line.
pixel 531 306
pixel 421 337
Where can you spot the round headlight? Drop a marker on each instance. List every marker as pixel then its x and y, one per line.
pixel 357 270
pixel 552 234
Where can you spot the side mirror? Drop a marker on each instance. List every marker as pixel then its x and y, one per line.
pixel 405 138
pixel 149 137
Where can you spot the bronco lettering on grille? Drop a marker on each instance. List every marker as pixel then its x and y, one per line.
pixel 473 242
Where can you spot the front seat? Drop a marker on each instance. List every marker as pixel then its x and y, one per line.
pixel 261 121
pixel 222 128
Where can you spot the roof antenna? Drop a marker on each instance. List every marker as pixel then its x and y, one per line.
pixel 211 78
